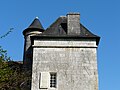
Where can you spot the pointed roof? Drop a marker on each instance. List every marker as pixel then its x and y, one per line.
pixel 34 26
pixel 59 30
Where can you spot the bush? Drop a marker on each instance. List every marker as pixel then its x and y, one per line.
pixel 12 74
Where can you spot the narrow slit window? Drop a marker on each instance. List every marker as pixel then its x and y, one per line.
pixel 53 77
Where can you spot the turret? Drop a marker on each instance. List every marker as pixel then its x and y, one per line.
pixel 34 29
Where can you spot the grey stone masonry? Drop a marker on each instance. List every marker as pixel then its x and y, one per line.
pixel 27 58
pixel 73 21
pixel 74 61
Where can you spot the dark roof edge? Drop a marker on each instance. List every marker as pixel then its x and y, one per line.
pixel 32 29
pixel 64 37
pixel 94 35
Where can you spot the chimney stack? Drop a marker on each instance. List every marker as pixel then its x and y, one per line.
pixel 73 23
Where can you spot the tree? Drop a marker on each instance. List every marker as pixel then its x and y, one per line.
pixel 5 71
pixel 11 29
pixel 12 74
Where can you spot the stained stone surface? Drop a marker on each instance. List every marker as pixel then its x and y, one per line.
pixel 27 60
pixel 75 65
pixel 73 21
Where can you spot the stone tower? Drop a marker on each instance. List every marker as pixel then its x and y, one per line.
pixel 64 56
pixel 34 29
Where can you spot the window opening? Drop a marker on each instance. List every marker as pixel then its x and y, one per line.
pixel 53 80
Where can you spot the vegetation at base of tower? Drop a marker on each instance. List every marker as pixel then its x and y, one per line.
pixel 12 74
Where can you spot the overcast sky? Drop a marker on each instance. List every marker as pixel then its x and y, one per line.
pixel 102 17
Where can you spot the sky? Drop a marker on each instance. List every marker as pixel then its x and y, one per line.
pixel 102 17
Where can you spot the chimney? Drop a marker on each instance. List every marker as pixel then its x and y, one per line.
pixel 73 23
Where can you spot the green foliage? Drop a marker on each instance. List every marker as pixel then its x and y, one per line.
pixel 3 55
pixel 4 70
pixel 12 74
pixel 14 77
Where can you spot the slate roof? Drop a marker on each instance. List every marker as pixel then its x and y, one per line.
pixel 59 30
pixel 35 26
pixel 59 27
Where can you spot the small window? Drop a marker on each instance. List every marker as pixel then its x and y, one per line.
pixel 53 77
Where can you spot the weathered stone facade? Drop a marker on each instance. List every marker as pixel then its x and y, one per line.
pixel 74 61
pixel 67 50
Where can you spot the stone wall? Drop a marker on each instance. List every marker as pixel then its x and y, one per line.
pixel 27 57
pixel 75 64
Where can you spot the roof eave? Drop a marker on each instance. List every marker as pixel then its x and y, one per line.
pixel 97 38
pixel 32 30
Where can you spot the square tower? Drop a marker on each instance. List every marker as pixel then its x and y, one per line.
pixel 65 56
